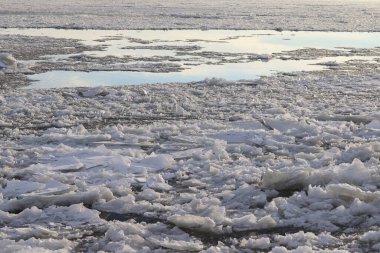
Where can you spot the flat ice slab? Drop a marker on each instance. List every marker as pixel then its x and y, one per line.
pixel 337 15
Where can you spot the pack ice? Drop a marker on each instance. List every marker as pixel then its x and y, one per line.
pixel 288 163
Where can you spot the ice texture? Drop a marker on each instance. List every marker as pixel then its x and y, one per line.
pixel 287 163
pixel 118 169
pixel 337 15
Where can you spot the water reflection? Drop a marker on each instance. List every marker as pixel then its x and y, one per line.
pixel 232 41
pixel 230 71
pixel 174 44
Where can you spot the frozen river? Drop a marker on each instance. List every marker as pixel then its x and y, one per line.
pixel 232 141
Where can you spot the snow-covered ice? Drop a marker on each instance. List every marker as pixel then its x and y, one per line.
pixel 337 15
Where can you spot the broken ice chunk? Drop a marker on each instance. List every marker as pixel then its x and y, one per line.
pixel 7 61
pixel 375 124
pixel 154 163
pixel 192 222
pixel 17 187
pixel 157 182
pixel 93 92
pixel 246 222
pixel 251 243
pixel 355 173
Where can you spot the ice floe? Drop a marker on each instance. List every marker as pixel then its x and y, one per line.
pixel 289 164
